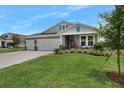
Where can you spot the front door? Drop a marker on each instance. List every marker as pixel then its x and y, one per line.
pixel 67 41
pixel 71 39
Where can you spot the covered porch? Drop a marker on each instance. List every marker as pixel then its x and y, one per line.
pixel 78 40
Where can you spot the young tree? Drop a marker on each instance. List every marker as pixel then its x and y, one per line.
pixel 16 40
pixel 112 29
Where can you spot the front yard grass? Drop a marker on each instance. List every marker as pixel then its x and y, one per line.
pixel 6 50
pixel 67 70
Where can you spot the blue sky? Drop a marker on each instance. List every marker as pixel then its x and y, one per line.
pixel 34 19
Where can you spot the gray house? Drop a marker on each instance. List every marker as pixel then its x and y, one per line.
pixel 64 34
pixel 7 42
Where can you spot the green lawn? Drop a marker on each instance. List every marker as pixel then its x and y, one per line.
pixel 6 50
pixel 69 70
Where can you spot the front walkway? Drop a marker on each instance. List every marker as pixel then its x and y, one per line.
pixel 8 59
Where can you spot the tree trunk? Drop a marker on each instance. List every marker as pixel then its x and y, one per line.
pixel 118 61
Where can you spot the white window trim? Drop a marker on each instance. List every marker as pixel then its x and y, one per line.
pixel 87 40
pixel 62 26
pixel 77 29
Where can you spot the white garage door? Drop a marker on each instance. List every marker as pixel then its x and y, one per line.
pixel 30 44
pixel 48 44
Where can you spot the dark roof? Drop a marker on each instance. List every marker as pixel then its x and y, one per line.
pixel 12 34
pixel 3 36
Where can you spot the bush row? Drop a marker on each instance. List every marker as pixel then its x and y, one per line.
pixel 84 51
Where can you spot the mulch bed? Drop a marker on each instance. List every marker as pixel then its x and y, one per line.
pixel 114 76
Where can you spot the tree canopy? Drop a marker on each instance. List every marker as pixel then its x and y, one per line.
pixel 112 29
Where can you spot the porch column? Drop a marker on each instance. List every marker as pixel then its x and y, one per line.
pixel 60 40
pixel 98 38
pixel 80 40
pixel 86 40
pixel 94 39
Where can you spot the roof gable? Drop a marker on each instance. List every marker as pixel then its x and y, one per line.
pixel 55 28
pixel 83 27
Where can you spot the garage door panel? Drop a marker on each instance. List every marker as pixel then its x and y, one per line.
pixel 48 44
pixel 30 44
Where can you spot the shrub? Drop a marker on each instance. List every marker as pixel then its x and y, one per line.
pixel 72 50
pixel 115 52
pixel 96 53
pixel 85 51
pixel 88 51
pixel 67 51
pixel 61 52
pixel 78 50
pixel 98 46
pixel 56 51
pixel 106 53
pixel 91 52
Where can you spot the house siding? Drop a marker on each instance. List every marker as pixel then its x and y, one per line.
pixel 82 29
pixel 56 28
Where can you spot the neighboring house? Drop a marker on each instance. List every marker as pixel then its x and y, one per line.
pixel 0 42
pixel 7 42
pixel 65 35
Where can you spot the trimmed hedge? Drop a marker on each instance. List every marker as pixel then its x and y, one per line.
pixel 84 51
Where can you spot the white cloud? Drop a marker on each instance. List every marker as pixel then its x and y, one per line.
pixel 2 16
pixel 57 14
pixel 52 14
pixel 20 26
pixel 45 15
pixel 77 7
pixel 62 14
pixel 30 21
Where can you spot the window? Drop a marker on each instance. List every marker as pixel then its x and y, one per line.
pixel 64 26
pixel 6 36
pixel 83 40
pixel 60 27
pixel 90 40
pixel 78 29
pixel 35 42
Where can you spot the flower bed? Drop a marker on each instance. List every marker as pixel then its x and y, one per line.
pixel 84 51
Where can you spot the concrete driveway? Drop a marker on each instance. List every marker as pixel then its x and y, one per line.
pixel 8 59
